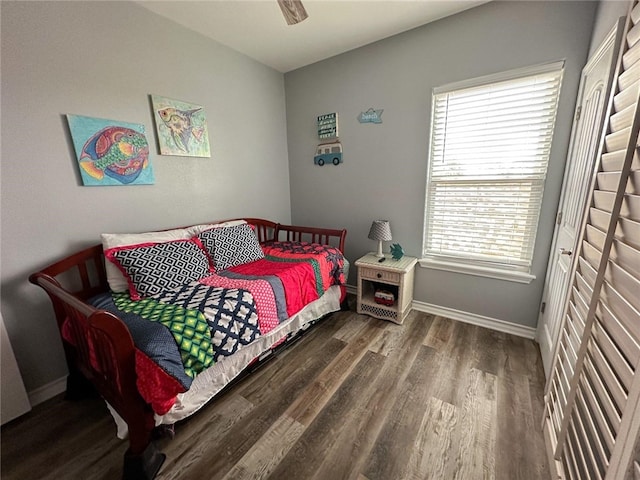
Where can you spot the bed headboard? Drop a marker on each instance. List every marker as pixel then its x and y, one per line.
pixel 83 273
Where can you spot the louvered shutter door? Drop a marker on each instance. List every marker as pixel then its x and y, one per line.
pixel 592 414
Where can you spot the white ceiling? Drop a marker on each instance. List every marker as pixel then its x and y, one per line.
pixel 258 29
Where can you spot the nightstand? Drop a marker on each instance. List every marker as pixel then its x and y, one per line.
pixel 392 276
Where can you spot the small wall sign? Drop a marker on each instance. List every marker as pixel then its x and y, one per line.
pixel 328 153
pixel 371 116
pixel 328 126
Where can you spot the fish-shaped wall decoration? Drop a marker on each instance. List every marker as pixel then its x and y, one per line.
pixel 118 152
pixel 181 126
pixel 179 123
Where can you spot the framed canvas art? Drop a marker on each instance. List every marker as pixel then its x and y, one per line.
pixel 181 126
pixel 110 152
pixel 328 126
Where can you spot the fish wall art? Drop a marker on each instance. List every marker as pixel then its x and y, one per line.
pixel 182 128
pixel 110 152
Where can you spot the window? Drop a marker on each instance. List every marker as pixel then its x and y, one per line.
pixel 489 150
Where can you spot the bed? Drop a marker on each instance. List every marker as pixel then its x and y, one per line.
pixel 158 341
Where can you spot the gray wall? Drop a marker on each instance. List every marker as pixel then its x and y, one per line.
pixel 608 13
pixel 103 59
pixel 384 170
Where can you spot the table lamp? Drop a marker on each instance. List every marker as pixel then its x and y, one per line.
pixel 380 231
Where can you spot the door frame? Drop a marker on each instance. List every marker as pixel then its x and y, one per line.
pixel 612 40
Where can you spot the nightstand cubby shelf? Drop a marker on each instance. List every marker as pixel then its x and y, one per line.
pixel 393 276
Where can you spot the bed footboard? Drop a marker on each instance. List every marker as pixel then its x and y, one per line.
pixel 98 346
pixel 323 236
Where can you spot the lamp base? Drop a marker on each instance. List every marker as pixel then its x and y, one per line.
pixel 379 253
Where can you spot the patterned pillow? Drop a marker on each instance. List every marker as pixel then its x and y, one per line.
pixel 117 281
pixel 152 268
pixel 197 229
pixel 207 238
pixel 231 246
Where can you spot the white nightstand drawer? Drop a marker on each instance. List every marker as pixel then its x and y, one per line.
pixel 383 275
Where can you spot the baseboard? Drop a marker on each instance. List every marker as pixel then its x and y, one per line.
pixel 45 392
pixel 474 319
pixel 466 317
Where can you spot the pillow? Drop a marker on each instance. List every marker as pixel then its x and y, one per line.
pixel 155 267
pixel 117 281
pixel 231 246
pixel 197 229
pixel 207 238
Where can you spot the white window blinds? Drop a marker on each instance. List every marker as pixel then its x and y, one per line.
pixel 490 145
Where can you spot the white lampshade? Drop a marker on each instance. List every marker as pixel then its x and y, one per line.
pixel 381 231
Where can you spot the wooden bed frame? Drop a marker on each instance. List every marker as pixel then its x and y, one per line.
pixel 102 350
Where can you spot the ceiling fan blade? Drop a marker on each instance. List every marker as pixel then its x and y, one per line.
pixel 293 11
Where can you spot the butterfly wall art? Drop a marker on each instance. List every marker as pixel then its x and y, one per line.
pixel 181 126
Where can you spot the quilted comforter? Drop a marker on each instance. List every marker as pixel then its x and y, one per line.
pixel 180 332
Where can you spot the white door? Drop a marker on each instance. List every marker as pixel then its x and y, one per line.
pixel 583 150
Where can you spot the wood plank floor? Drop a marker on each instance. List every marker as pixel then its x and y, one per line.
pixel 356 398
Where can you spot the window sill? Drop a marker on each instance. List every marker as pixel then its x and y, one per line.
pixel 478 270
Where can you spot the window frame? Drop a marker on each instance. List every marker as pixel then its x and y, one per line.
pixel 452 263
